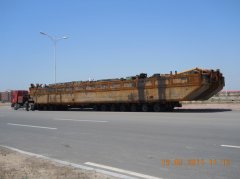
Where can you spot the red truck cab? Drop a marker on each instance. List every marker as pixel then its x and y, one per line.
pixel 18 98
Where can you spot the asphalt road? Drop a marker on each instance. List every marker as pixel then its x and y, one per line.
pixel 185 144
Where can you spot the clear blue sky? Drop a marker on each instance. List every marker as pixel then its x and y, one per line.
pixel 117 38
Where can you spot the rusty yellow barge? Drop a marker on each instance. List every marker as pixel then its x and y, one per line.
pixel 159 92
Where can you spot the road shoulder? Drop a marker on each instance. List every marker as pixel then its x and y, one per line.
pixel 15 165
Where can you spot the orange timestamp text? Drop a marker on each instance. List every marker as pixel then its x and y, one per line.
pixel 196 162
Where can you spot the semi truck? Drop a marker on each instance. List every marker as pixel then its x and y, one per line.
pixel 159 92
pixel 19 98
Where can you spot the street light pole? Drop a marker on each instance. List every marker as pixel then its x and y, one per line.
pixel 54 40
pixel 55 62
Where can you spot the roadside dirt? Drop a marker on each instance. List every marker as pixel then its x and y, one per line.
pixel 14 165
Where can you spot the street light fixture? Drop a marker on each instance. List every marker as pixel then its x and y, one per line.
pixel 54 40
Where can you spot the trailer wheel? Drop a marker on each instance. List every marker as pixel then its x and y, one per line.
pixel 50 108
pixel 104 107
pixel 156 108
pixel 32 107
pixel 169 108
pixel 145 108
pixel 95 108
pixel 45 108
pixel 134 108
pixel 27 106
pixel 123 108
pixel 113 107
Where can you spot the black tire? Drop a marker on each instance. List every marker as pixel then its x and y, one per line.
pixel 145 108
pixel 16 106
pixel 26 106
pixel 104 107
pixel 95 108
pixel 113 107
pixel 32 107
pixel 45 108
pixel 123 108
pixel 38 107
pixel 156 108
pixel 169 108
pixel 134 108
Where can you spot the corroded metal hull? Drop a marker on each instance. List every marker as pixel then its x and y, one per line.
pixel 157 92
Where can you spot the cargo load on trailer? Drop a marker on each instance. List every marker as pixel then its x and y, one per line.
pixel 159 92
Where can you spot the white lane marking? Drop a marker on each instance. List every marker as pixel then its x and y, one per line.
pixel 78 120
pixel 122 171
pixel 65 163
pixel 40 127
pixel 231 146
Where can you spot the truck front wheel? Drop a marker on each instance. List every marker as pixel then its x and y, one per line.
pixel 16 106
